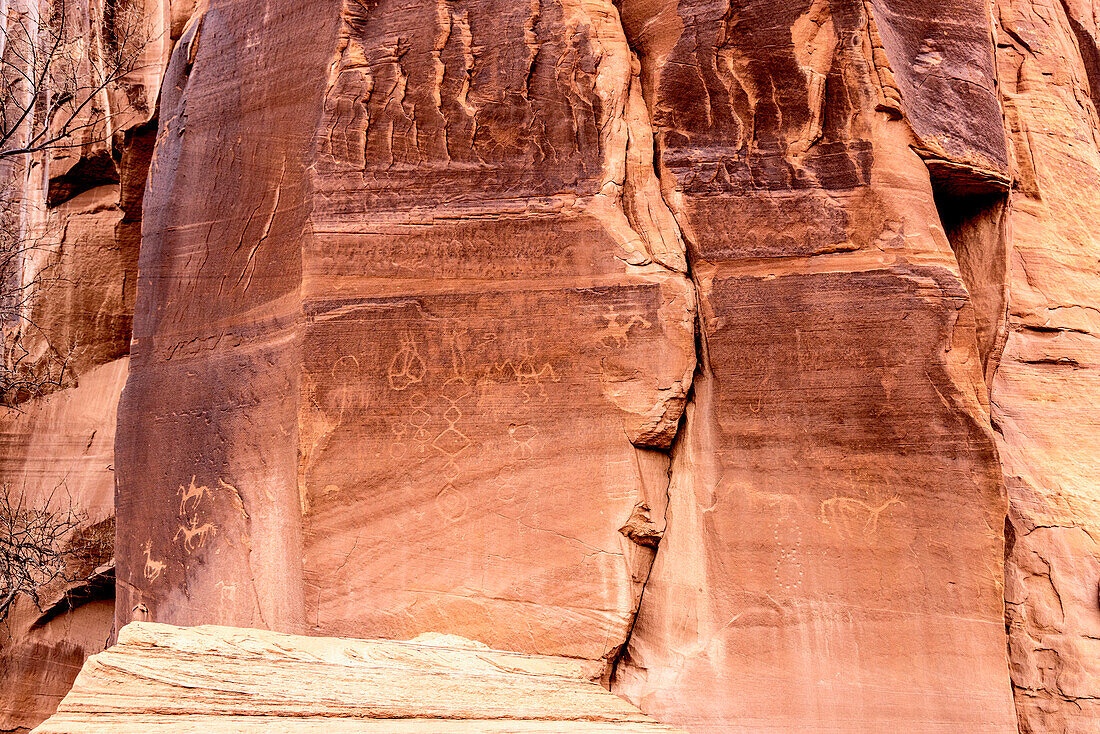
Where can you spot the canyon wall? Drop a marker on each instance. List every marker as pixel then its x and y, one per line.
pixel 743 349
pixel 76 256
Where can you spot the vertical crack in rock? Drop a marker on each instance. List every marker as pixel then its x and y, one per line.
pixel 632 206
pixel 975 224
pixel 518 250
pixel 814 226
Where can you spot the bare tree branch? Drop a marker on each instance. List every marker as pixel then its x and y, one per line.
pixel 65 81
pixel 38 544
pixel 55 73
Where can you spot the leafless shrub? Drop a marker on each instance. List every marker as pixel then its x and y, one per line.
pixel 38 543
pixel 58 69
pixel 66 83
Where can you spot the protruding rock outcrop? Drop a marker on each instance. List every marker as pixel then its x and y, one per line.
pixel 160 678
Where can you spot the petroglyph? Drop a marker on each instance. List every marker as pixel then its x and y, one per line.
pixel 787 536
pixel 153 569
pixel 191 494
pixel 227 595
pixel 195 535
pixel 193 499
pixel 853 517
pixel 526 372
pixel 617 331
pixel 407 367
pixel 522 436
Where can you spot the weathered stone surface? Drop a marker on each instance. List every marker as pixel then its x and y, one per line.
pixel 706 343
pixel 834 546
pixel 60 447
pixel 163 678
pixel 77 265
pixel 507 350
pixel 1045 405
pixel 461 390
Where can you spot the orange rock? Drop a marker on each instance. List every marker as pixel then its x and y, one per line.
pixel 742 353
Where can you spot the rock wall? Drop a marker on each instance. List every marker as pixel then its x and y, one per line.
pixel 834 544
pixel 734 347
pixel 1044 407
pixel 80 208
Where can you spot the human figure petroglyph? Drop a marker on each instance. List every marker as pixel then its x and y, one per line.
pixel 419 420
pixel 619 331
pixel 787 536
pixel 191 493
pixel 523 435
pixel 195 535
pixel 345 392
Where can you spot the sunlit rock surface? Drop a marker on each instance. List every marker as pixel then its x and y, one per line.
pixel 742 352
pixel 162 678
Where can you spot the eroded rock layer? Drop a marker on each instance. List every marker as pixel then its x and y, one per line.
pixel 497 324
pixel 446 415
pixel 250 680
pixel 70 275
pixel 834 543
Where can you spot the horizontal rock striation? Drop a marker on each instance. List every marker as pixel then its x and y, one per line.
pixel 171 679
pixel 740 352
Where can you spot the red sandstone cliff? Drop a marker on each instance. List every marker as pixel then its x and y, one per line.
pixel 747 350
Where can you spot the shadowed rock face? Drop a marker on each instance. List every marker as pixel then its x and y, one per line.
pixel 710 343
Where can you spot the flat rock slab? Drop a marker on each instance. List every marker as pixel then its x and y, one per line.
pixel 161 678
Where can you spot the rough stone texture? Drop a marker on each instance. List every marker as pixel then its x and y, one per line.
pixel 1045 405
pixel 496 316
pixel 834 547
pixel 448 413
pixel 709 344
pixel 60 447
pixel 82 211
pixel 171 679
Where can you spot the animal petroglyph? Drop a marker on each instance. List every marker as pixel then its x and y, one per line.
pixel 851 516
pixel 153 569
pixel 191 494
pixel 527 373
pixel 195 535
